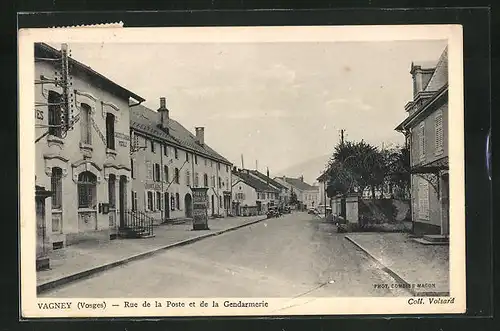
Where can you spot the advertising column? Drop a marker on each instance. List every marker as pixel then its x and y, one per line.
pixel 200 208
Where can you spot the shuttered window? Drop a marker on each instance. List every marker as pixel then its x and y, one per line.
pixel 438 123
pixel 423 199
pixel 421 140
pixel 149 167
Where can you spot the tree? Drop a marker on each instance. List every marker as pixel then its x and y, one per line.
pixel 398 169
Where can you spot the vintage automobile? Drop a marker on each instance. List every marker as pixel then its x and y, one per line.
pixel 273 212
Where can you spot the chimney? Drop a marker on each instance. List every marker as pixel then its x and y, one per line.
pixel 164 116
pixel 302 178
pixel 200 135
pixel 421 75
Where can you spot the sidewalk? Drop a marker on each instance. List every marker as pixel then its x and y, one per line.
pixel 408 262
pixel 84 259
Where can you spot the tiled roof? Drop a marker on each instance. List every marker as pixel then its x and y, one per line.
pixel 298 183
pixel 254 182
pixel 440 76
pixel 265 178
pixel 146 121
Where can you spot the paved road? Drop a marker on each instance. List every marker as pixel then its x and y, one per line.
pixel 296 255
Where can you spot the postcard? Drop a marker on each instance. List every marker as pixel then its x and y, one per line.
pixel 241 171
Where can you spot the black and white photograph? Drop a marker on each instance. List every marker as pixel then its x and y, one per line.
pixel 242 171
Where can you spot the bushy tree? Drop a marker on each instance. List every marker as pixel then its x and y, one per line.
pixel 293 198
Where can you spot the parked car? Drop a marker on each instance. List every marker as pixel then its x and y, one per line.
pixel 311 211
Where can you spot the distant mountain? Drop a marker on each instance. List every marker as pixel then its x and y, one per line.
pixel 310 169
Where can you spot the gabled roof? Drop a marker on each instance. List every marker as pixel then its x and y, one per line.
pixel 146 121
pixel 272 182
pixel 298 183
pixel 257 184
pixel 440 76
pixel 44 50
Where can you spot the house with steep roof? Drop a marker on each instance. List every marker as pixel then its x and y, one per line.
pixel 283 190
pixel 307 195
pixel 251 195
pixel 167 160
pixel 426 132
pixel 82 152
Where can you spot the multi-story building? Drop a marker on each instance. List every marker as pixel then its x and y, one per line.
pixel 87 168
pixel 252 196
pixel 322 181
pixel 283 190
pixel 167 160
pixel 426 132
pixel 307 195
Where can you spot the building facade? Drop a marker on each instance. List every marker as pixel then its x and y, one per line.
pixel 283 190
pixel 250 193
pixel 167 160
pixel 307 195
pixel 426 131
pixel 87 168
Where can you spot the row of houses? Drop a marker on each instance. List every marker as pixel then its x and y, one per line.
pixel 120 157
pixel 426 134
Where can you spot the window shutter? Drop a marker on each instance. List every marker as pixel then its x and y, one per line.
pixel 146 205
pixel 439 132
pixel 149 174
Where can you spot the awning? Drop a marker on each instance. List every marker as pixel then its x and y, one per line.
pixel 432 167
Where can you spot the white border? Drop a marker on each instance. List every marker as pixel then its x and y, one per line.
pixel 277 306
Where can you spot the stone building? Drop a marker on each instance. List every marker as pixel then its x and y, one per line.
pixel 167 160
pixel 252 196
pixel 426 132
pixel 308 195
pixel 87 168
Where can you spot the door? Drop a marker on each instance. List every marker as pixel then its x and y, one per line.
pixel 188 205
pixel 445 205
pixel 122 198
pixel 343 206
pixel 213 205
pixel 167 206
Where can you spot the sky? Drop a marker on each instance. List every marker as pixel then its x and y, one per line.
pixel 279 103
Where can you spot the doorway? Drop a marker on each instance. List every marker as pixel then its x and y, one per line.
pixel 122 199
pixel 167 205
pixel 188 205
pixel 213 205
pixel 445 205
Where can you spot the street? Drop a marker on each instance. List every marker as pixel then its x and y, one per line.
pixel 295 255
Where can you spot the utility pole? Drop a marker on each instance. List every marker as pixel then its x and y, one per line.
pixel 242 164
pixel 342 136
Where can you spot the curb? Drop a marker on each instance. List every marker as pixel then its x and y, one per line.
pixel 394 275
pixel 92 271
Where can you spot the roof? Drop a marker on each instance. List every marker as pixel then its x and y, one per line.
pixel 44 50
pixel 257 184
pixel 146 121
pixel 265 178
pixel 298 183
pixel 322 177
pixel 438 83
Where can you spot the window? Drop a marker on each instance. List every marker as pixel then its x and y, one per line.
pixel 205 180
pixel 196 179
pixel 177 201
pixel 187 157
pixel 158 201
pixel 54 99
pixel 157 173
pixel 195 159
pixel 240 196
pixel 152 146
pixel 423 199
pixel 85 124
pixel 176 175
pixel 134 200
pixel 218 165
pixel 110 131
pixel 165 150
pixel 150 201
pixel 165 173
pixel 206 162
pixel 220 182
pixel 438 123
pixel 421 140
pixel 111 191
pixel 149 167
pixel 56 186
pixel 176 152
pixel 220 201
pixel 132 168
pixel 188 178
pixel 86 190
pixel 213 181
